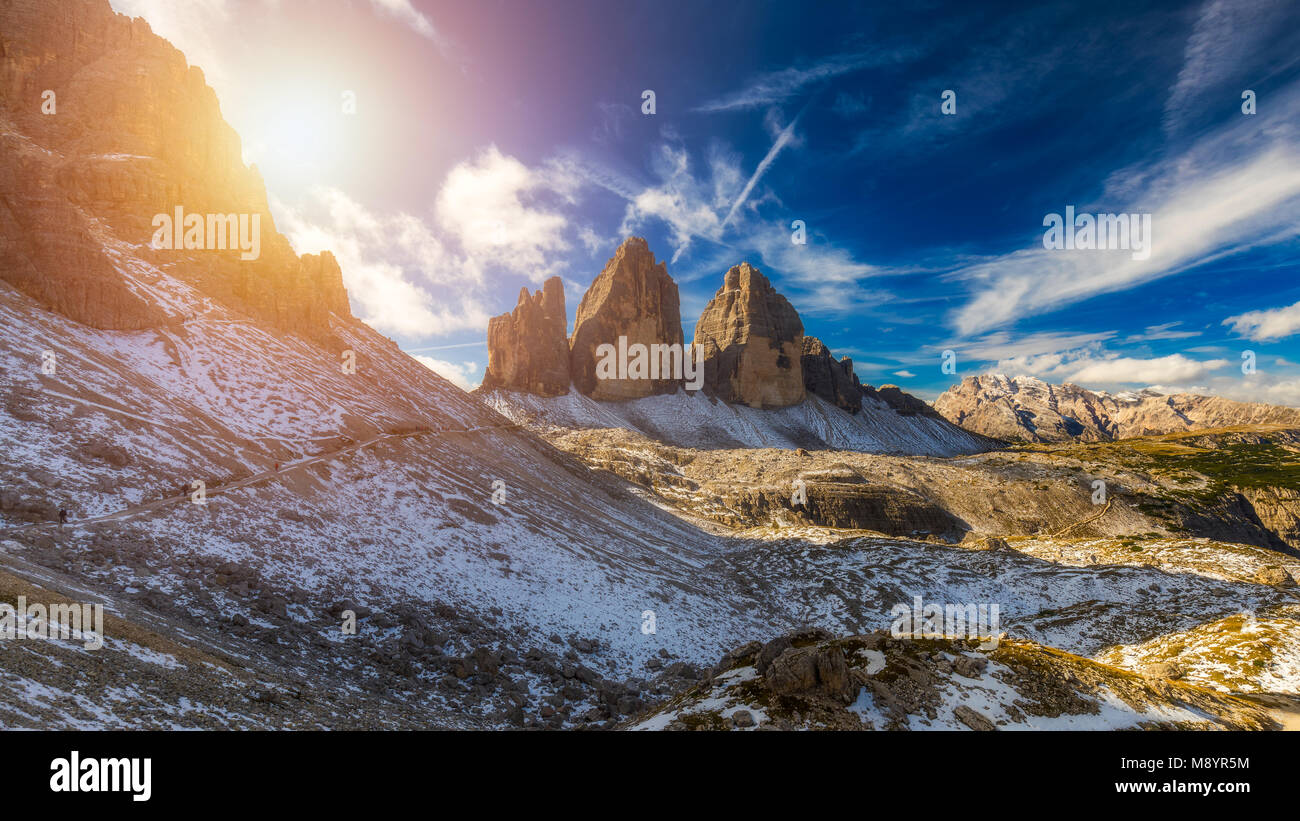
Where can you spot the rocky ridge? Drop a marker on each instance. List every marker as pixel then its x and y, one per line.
pixel 1030 410
pixel 633 297
pixel 131 132
pixel 754 352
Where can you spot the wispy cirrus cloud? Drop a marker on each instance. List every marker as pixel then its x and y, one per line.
pixel 1226 35
pixel 1162 331
pixel 780 86
pixel 405 12
pixel 1202 207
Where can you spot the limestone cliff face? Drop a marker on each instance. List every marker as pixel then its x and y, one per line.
pixel 904 403
pixel 753 342
pixel 755 352
pixel 831 380
pixel 1031 410
pixel 528 349
pixel 632 297
pixel 134 132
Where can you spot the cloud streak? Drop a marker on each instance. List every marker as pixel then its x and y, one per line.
pixel 779 86
pixel 783 139
pixel 1201 209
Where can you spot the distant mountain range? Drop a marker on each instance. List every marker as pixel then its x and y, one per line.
pixel 1026 409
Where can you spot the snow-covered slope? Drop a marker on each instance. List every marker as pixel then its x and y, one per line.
pixel 496 577
pixel 697 421
pixel 387 488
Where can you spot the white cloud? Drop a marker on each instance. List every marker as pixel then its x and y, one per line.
pixel 490 205
pixel 389 262
pixel 594 242
pixel 783 139
pixel 1002 346
pixel 1164 331
pixel 457 373
pixel 406 279
pixel 680 200
pixel 1203 215
pixel 1262 326
pixel 1258 387
pixel 1132 371
pixel 1203 207
pixel 1226 34
pixel 1083 360
pixel 905 374
pixel 819 277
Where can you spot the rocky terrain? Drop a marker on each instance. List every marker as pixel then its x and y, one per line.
pixel 1025 409
pixel 633 297
pixel 812 680
pixel 290 523
pixel 828 378
pixel 135 132
pixel 699 421
pixel 1228 485
pixel 528 348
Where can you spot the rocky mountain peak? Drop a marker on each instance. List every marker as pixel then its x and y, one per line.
pixel 753 342
pixel 633 297
pixel 135 132
pixel 831 380
pixel 528 348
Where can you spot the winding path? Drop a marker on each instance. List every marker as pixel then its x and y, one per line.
pixel 255 478
pixel 1058 534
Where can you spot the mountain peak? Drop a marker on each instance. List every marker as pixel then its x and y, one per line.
pixel 1026 408
pixel 753 342
pixel 94 182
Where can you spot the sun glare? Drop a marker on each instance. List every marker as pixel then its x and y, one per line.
pixel 299 134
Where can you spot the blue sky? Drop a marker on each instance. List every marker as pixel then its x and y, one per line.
pixel 495 144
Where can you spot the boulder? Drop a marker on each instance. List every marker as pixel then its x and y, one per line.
pixel 818 669
pixel 973 719
pixel 1273 575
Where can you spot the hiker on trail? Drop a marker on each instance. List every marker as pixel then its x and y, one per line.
pixel 63 516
